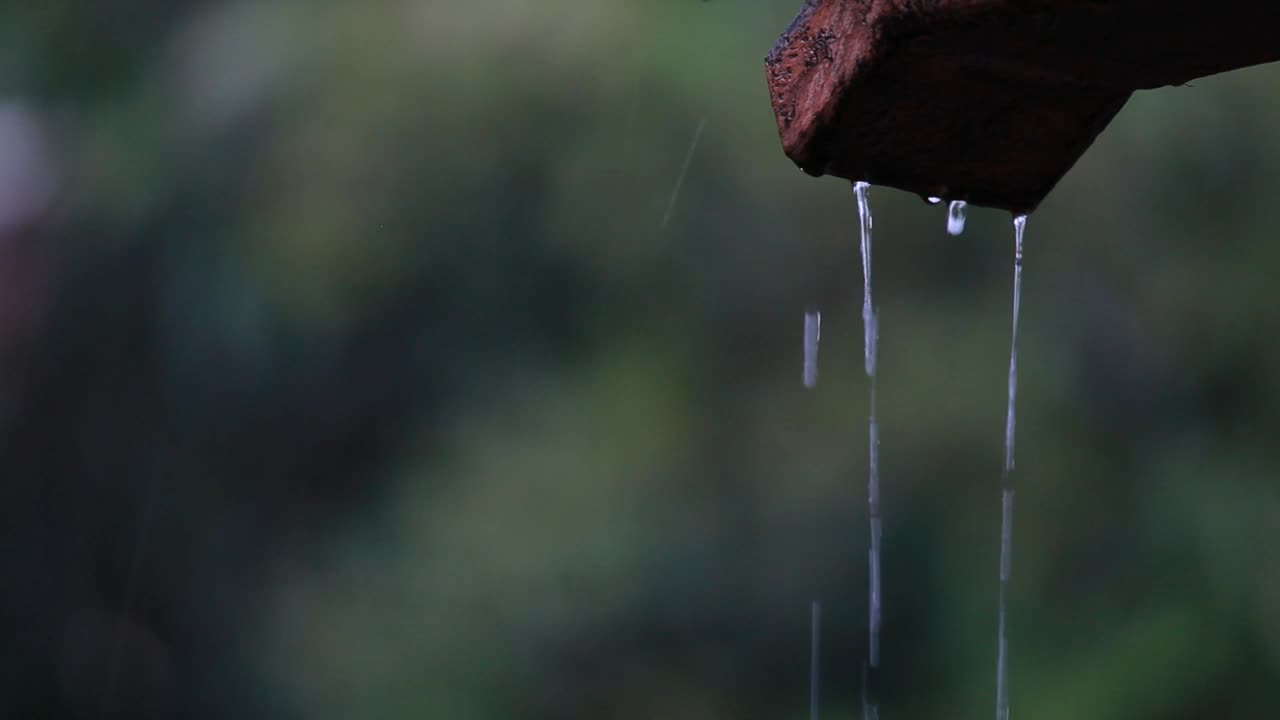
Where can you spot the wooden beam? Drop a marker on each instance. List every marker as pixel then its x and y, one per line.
pixel 989 101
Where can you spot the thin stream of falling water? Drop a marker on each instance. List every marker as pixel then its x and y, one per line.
pixel 870 322
pixel 1011 421
pixel 1002 643
pixel 868 317
pixel 1006 485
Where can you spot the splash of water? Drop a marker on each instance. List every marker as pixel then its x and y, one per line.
pixel 955 217
pixel 812 333
pixel 1006 483
pixel 871 330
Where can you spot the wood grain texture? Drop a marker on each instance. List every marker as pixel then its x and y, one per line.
pixel 989 101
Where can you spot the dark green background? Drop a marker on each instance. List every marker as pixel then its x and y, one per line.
pixel 351 373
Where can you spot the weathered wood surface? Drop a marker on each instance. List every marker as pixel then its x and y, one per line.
pixel 989 101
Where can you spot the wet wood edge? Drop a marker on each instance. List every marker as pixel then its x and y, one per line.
pixel 989 101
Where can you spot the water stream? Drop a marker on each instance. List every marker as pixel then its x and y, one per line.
pixel 1006 484
pixel 871 332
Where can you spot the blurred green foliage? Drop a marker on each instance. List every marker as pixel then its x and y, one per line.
pixel 352 373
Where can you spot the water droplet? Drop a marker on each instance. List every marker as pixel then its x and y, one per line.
pixel 812 333
pixel 955 217
pixel 933 200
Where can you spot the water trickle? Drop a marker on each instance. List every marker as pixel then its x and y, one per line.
pixel 1002 637
pixel 868 316
pixel 870 321
pixel 1010 425
pixel 955 217
pixel 1006 483
pixel 812 333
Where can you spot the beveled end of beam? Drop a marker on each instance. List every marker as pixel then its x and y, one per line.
pixel 988 101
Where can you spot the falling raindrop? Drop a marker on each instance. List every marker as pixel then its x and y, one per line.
pixel 812 333
pixel 1006 484
pixel 871 334
pixel 955 217
pixel 684 170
